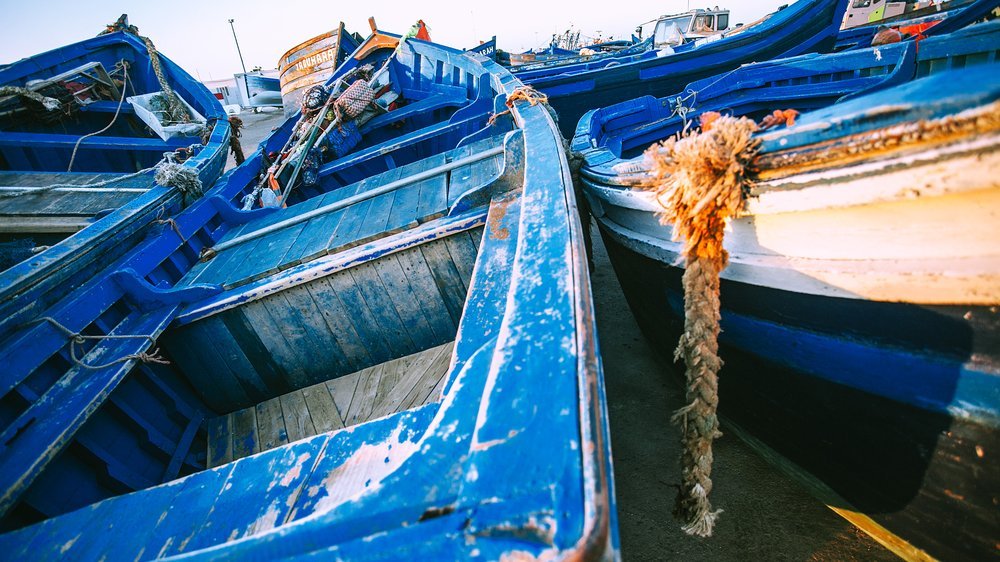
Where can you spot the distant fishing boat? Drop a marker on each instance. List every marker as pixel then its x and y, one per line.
pixel 81 128
pixel 859 306
pixel 387 345
pixel 313 62
pixel 573 89
pixel 919 24
pixel 258 89
pixel 878 12
pixel 676 29
pixel 588 55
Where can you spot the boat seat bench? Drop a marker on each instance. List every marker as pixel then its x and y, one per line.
pixel 357 224
pixel 369 394
pixel 381 150
pixel 64 209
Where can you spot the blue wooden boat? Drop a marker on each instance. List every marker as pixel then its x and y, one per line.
pixel 554 55
pixel 72 145
pixel 429 292
pixel 540 64
pixel 859 307
pixel 805 26
pixel 487 48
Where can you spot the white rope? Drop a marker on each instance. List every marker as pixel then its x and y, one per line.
pixel 184 178
pixel 113 119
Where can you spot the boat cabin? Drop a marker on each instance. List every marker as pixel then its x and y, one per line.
pixel 687 26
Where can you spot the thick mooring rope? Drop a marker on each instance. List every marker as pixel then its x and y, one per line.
pixel 175 109
pixel 700 179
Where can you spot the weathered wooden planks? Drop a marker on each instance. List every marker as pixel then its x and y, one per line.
pixel 333 326
pixel 360 223
pixel 65 209
pixel 375 392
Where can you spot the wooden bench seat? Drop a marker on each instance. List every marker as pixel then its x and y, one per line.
pixel 64 209
pixel 45 140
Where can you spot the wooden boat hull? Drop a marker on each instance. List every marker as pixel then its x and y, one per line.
pixel 859 308
pixel 900 464
pixel 312 62
pixel 933 23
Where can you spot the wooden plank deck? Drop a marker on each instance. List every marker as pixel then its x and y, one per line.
pixel 375 392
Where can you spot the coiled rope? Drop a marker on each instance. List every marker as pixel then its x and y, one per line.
pixel 699 178
pixel 77 339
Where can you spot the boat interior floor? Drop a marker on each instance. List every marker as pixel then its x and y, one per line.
pixel 372 393
pixel 64 209
pixel 292 241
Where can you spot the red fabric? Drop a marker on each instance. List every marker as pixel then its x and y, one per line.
pixel 917 29
pixel 422 33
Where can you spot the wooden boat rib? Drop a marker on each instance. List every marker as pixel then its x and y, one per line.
pixel 859 307
pixel 458 228
pixel 805 26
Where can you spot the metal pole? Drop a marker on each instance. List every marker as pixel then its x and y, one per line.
pixel 240 53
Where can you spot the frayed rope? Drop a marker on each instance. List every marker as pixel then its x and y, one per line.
pixel 699 178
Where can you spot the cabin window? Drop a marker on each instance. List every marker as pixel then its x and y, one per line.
pixel 861 3
pixel 723 21
pixel 670 31
pixel 682 22
pixel 704 23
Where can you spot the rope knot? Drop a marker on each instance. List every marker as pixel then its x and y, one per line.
pixel 521 93
pixel 184 178
pixel 699 179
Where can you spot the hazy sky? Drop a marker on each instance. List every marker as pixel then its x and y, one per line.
pixel 196 35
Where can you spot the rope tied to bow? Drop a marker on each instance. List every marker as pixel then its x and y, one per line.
pixel 174 109
pixel 76 339
pixel 700 179
pixel 521 93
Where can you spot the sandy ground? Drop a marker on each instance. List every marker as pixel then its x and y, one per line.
pixel 766 516
pixel 256 126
